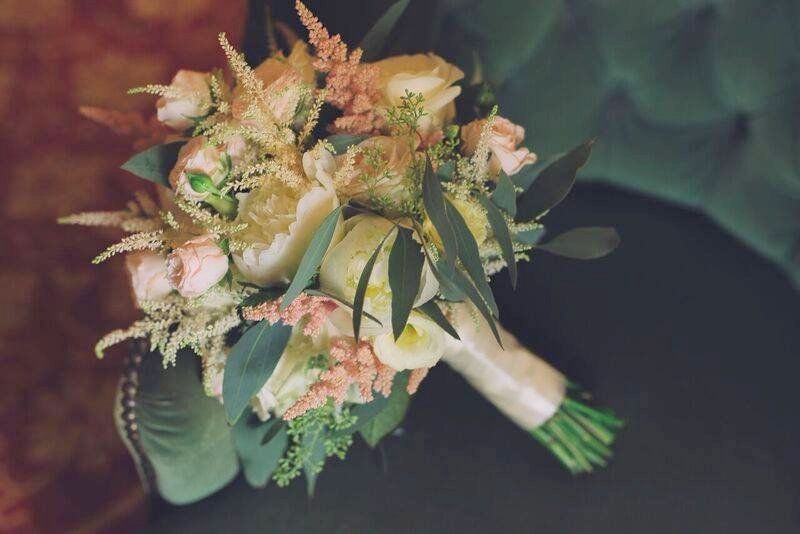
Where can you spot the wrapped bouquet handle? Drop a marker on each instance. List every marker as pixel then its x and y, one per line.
pixel 530 392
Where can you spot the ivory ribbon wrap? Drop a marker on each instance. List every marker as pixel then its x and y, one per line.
pixel 519 383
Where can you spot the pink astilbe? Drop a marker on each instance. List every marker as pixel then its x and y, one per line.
pixel 414 379
pixel 350 85
pixel 314 308
pixel 353 363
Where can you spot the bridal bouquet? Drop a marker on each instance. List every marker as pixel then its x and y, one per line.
pixel 322 235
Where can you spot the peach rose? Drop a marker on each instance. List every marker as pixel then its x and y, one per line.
pixel 196 266
pixel 504 140
pixel 148 272
pixel 283 78
pixel 381 170
pixel 425 74
pixel 192 99
pixel 201 157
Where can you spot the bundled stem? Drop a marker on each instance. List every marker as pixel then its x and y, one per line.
pixel 579 436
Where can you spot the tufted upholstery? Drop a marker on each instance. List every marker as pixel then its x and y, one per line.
pixel 695 102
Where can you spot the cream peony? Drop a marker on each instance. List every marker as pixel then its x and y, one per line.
pixel 196 266
pixel 504 140
pixel 344 263
pixel 425 74
pixel 421 344
pixel 148 272
pixel 192 99
pixel 281 223
pixel 201 157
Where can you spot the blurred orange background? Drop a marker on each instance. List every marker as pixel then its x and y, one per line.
pixel 62 466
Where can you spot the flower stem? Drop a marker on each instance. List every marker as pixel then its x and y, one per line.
pixel 579 436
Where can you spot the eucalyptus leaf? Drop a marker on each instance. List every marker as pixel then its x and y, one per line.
pixel 432 310
pixel 434 201
pixel 444 274
pixel 390 416
pixel 343 302
pixel 587 243
pixel 361 288
pixel 530 237
pixel 470 255
pixel 250 363
pixel 155 163
pixel 312 258
pixel 446 170
pixel 273 430
pixel 259 458
pixel 375 39
pixel 503 236
pixel 463 283
pixel 553 183
pixel 183 431
pixel 505 195
pixel 314 448
pixel 341 142
pixel 405 270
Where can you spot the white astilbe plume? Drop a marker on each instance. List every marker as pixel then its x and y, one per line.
pixel 177 323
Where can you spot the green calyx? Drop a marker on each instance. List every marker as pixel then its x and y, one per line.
pixel 202 183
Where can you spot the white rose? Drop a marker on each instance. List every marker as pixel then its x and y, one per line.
pixel 425 74
pixel 148 272
pixel 281 221
pixel 192 99
pixel 196 266
pixel 342 267
pixel 421 344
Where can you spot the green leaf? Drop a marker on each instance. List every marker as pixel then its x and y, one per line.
pixel 343 302
pixel 444 274
pixel 250 363
pixel 462 282
pixel 530 237
pixel 259 459
pixel 392 413
pixel 553 183
pixel 503 236
pixel 587 243
pixel 312 258
pixel 505 195
pixel 314 449
pixel 375 39
pixel 341 142
pixel 405 270
pixel 155 163
pixel 446 170
pixel 183 431
pixel 434 201
pixel 470 255
pixel 361 288
pixel 432 310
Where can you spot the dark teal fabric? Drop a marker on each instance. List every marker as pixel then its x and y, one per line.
pixel 693 102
